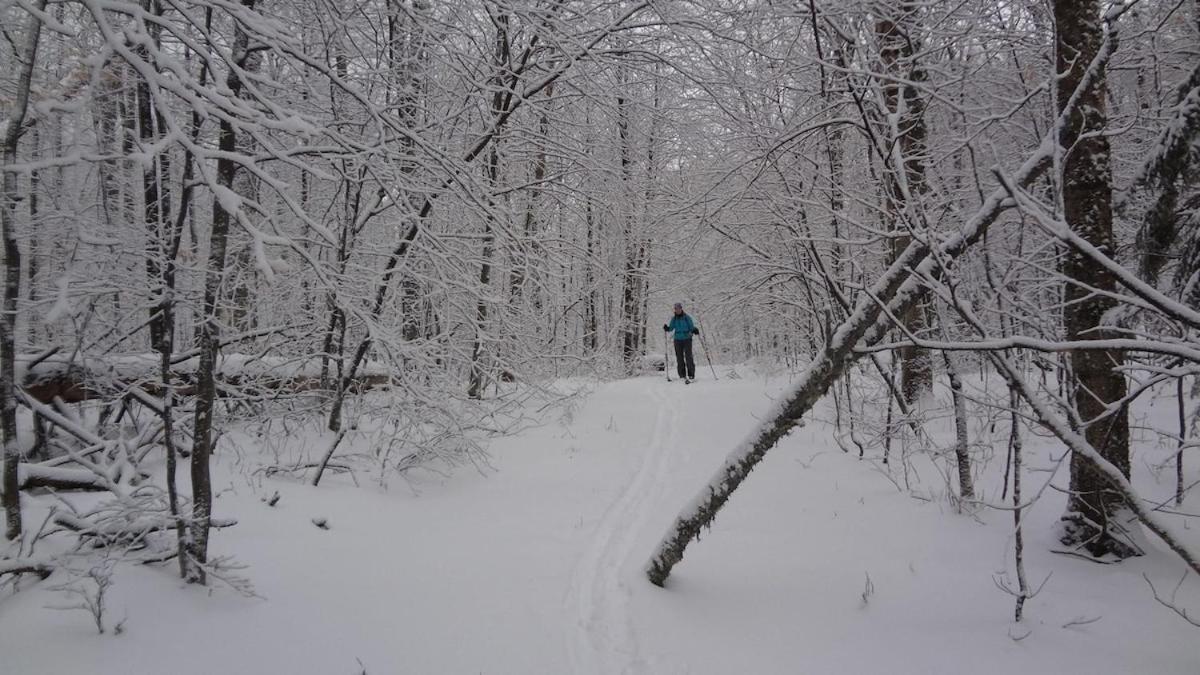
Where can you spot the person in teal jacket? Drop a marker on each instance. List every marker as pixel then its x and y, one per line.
pixel 683 328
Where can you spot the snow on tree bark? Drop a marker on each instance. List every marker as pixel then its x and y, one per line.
pixel 630 284
pixel 905 184
pixel 13 128
pixel 224 208
pixel 1097 382
pixel 962 445
pixel 501 101
pixel 163 238
pixel 896 289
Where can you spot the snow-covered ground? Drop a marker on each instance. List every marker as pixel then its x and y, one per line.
pixel 819 564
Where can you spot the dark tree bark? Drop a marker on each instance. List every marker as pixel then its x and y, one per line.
pixel 164 238
pixel 35 252
pixel 1087 202
pixel 1163 174
pixel 905 167
pixel 1015 448
pixel 518 277
pixel 500 101
pixel 591 321
pixel 894 289
pixel 12 278
pixel 333 347
pixel 832 82
pixel 210 330
pixel 630 277
pixel 1180 401
pixel 897 290
pixel 408 54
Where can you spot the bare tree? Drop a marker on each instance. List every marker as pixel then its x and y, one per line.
pixel 897 31
pixel 1099 386
pixel 224 209
pixel 13 128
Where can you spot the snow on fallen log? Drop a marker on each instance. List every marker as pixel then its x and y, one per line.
pixel 30 476
pixel 26 566
pixel 898 287
pixel 86 378
pixel 119 529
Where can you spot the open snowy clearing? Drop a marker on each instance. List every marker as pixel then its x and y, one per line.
pixel 819 565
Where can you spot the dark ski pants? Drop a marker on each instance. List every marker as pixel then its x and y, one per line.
pixel 684 363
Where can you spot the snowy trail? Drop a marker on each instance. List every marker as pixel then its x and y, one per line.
pixel 602 640
pixel 537 567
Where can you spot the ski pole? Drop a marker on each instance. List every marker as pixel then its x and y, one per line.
pixel 708 357
pixel 667 355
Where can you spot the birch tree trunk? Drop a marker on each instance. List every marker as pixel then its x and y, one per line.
pixel 966 486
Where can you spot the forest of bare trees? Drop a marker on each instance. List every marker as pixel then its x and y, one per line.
pixel 417 212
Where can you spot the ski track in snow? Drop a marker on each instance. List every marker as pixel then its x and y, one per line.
pixel 602 640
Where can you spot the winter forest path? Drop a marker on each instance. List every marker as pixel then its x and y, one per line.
pixel 817 565
pixel 603 640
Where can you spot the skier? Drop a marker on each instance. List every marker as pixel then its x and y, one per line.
pixel 684 328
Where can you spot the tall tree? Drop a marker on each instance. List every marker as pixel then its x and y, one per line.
pixel 163 237
pixel 223 210
pixel 1098 386
pixel 500 100
pixel 631 272
pixel 905 183
pixel 12 130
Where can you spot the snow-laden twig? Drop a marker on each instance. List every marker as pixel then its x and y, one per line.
pixel 40 567
pixel 1171 603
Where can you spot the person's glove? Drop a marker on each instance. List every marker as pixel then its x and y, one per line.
pixel 695 331
pixel 666 327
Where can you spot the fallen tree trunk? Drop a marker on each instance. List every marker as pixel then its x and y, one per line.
pixel 110 530
pixel 30 476
pixel 72 382
pixel 896 290
pixel 26 566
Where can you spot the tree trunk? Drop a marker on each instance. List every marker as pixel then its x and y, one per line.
pixel 591 321
pixel 35 252
pixel 832 83
pixel 905 169
pixel 630 282
pixel 1090 519
pixel 12 279
pixel 895 290
pixel 162 248
pixel 210 331
pixel 502 56
pixel 966 487
pixel 521 263
pixel 477 380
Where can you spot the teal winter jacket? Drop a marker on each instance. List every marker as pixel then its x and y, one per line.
pixel 683 326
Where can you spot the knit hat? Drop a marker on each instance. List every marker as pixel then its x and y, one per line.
pixel 679 305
